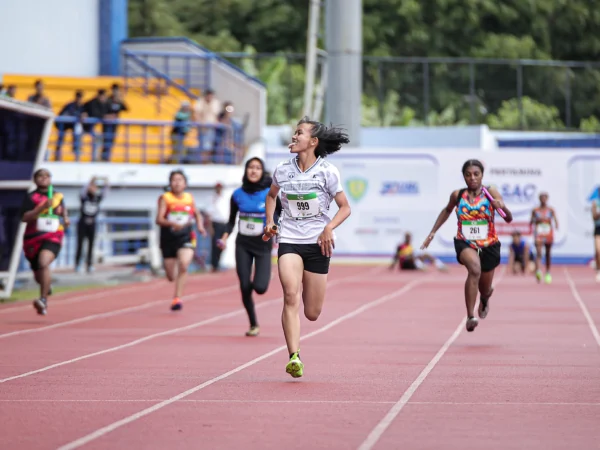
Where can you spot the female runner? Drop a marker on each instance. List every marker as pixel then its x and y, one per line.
pixel 476 243
pixel 543 234
pixel 44 233
pixel 176 208
pixel 308 184
pixel 249 201
pixel 596 217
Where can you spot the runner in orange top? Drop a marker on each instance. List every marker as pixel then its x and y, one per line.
pixel 543 235
pixel 176 209
pixel 44 232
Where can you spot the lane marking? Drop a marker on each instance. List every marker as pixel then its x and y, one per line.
pixel 117 312
pixel 335 402
pixel 192 326
pixel 387 420
pixel 132 418
pixel 583 307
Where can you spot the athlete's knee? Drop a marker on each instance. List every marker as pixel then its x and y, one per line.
pixel 245 285
pixel 291 298
pixel 312 313
pixel 260 287
pixel 474 271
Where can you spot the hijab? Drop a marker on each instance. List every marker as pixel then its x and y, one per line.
pixel 262 184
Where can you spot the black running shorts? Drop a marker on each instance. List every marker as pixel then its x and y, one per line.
pixel 489 257
pixel 314 261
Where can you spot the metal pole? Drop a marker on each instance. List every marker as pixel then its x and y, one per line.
pixel 568 97
pixel 520 96
pixel 321 91
pixel 311 54
pixel 344 84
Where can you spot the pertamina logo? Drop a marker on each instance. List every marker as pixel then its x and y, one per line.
pixel 595 194
pixel 357 188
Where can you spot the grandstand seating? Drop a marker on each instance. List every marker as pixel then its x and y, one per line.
pixel 147 99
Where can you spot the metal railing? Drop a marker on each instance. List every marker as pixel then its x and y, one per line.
pixel 142 141
pixel 515 94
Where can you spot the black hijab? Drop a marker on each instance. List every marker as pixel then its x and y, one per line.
pixel 263 183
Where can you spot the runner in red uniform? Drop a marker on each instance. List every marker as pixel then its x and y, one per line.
pixel 476 243
pixel 44 233
pixel 543 234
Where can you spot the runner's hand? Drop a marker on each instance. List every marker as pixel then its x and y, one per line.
pixel 427 241
pixel 268 230
pixel 326 242
pixel 498 204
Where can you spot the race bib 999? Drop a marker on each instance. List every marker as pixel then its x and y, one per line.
pixel 303 205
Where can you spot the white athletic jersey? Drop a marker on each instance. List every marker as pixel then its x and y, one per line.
pixel 305 199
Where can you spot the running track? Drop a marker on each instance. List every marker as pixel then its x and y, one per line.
pixel 388 366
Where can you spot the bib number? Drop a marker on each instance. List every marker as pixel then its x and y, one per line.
pixel 48 224
pixel 251 226
pixel 180 218
pixel 303 205
pixel 476 230
pixel 543 229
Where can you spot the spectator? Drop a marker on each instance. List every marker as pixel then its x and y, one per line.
pixel 219 215
pixel 39 98
pixel 96 108
pixel 9 91
pixel 180 130
pixel 109 130
pixel 206 112
pixel 224 136
pixel 91 196
pixel 74 110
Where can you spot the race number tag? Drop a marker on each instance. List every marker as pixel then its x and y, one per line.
pixel 179 217
pixel 475 230
pixel 251 226
pixel 543 229
pixel 48 223
pixel 303 205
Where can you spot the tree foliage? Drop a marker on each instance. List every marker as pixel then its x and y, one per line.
pixel 415 93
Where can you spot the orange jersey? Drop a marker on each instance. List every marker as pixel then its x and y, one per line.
pixel 180 210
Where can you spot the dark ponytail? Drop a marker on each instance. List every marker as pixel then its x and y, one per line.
pixel 330 138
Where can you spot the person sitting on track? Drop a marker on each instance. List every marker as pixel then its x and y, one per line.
pixel 520 258
pixel 476 243
pixel 407 260
pixel 543 234
pixel 308 184
pixel 596 218
pixel 176 208
pixel 44 234
pixel 250 202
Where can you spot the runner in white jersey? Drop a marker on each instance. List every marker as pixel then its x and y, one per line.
pixel 308 184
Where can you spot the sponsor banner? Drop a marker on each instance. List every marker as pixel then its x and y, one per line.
pixel 394 192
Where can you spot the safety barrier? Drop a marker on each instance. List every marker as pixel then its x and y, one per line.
pixel 142 141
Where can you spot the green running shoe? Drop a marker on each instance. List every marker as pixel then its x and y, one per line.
pixel 295 367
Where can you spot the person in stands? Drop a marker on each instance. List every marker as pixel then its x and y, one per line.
pixel 406 259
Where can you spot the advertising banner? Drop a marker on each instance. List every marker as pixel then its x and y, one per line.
pixel 394 192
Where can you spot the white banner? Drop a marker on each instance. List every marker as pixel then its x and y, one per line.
pixel 394 192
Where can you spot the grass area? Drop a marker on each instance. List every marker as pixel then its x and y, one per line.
pixel 30 294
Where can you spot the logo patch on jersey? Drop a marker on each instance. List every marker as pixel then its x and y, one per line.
pixel 357 188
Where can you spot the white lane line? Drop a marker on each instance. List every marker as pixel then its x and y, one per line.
pixel 387 420
pixel 107 292
pixel 156 335
pixel 80 298
pixel 380 428
pixel 318 402
pixel 113 426
pixel 584 310
pixel 117 312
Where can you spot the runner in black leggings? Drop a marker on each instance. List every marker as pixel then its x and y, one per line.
pixel 249 202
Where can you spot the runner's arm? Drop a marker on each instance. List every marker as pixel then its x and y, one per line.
pixel 498 203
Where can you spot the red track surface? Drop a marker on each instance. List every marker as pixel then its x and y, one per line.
pixel 388 365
